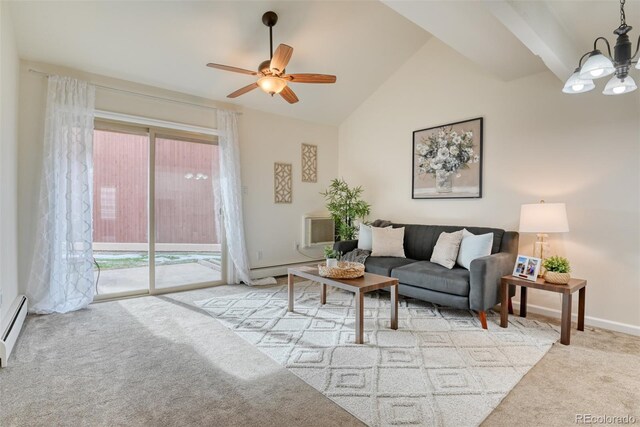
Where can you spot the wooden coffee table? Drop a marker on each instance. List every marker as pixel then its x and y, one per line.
pixel 360 286
pixel 566 291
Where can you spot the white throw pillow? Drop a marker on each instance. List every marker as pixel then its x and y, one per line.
pixel 473 247
pixel 365 238
pixel 446 250
pixel 387 242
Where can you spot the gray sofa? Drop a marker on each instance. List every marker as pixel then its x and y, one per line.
pixel 477 289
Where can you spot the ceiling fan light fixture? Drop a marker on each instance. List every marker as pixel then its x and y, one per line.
pixel 597 66
pixel 271 73
pixel 577 85
pixel 618 86
pixel 272 85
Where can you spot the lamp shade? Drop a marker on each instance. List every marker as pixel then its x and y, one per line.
pixel 577 85
pixel 618 86
pixel 543 218
pixel 597 66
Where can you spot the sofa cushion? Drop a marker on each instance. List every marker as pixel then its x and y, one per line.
pixel 387 242
pixel 383 265
pixel 445 252
pixel 427 275
pixel 473 247
pixel 365 238
pixel 419 240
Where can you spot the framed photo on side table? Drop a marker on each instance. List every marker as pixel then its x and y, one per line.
pixel 527 267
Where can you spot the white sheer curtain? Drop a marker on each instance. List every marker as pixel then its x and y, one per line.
pixel 61 277
pixel 231 197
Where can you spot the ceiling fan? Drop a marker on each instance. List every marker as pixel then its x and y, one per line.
pixel 272 78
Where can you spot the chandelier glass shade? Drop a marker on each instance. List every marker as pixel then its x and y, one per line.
pixel 576 84
pixel 596 66
pixel 617 86
pixel 599 65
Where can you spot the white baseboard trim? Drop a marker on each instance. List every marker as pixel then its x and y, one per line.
pixel 10 335
pixel 277 270
pixel 588 320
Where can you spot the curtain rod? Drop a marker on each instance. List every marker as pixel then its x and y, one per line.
pixel 115 89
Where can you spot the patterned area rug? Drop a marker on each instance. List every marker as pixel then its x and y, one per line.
pixel 438 369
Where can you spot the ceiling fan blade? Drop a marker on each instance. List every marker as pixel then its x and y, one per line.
pixel 289 95
pixel 281 58
pixel 233 69
pixel 310 78
pixel 243 90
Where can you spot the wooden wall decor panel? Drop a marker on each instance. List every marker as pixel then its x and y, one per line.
pixel 309 163
pixel 282 184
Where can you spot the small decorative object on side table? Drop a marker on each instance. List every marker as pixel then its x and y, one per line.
pixel 557 270
pixel 566 291
pixel 527 267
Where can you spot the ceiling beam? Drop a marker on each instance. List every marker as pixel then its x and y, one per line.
pixel 473 31
pixel 539 30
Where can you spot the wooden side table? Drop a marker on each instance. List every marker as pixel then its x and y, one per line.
pixel 566 291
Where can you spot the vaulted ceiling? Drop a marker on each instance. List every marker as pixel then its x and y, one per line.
pixel 167 44
pixel 517 38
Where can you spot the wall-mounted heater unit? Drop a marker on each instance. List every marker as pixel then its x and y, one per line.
pixel 10 335
pixel 317 231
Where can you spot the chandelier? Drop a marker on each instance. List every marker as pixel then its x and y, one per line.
pixel 598 65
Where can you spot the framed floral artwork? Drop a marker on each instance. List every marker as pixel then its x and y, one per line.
pixel 447 161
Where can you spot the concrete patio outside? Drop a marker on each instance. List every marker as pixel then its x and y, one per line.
pixel 168 275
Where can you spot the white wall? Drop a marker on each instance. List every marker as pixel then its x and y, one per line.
pixel 538 144
pixel 265 138
pixel 8 165
pixel 273 228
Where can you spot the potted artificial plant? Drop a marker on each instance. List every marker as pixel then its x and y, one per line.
pixel 332 256
pixel 345 206
pixel 557 270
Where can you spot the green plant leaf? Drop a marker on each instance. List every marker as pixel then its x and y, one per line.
pixel 345 206
pixel 557 264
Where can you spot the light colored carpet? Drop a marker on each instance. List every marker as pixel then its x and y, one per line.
pixel 439 369
pixel 95 367
pixel 151 361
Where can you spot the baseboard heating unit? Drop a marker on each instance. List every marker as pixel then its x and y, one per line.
pixel 10 335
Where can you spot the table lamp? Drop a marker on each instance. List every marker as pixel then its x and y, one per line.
pixel 543 218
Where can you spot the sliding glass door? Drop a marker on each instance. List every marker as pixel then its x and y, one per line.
pixel 120 210
pixel 187 234
pixel 155 223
